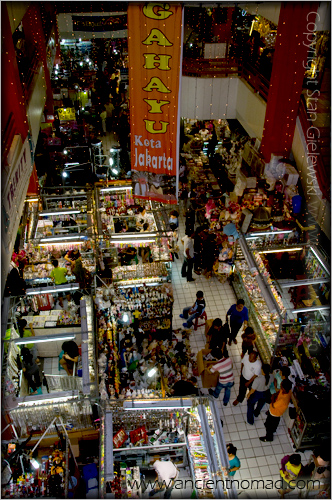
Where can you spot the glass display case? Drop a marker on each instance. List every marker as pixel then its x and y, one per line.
pixel 186 431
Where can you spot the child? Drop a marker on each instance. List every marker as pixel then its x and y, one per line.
pixel 234 462
pixel 58 274
pixel 289 472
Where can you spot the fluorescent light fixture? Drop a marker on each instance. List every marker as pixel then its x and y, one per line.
pixel 267 233
pixel 81 63
pixel 115 189
pixel 152 372
pixel 60 243
pixel 315 281
pixel 156 404
pixel 115 171
pixel 73 164
pixel 111 161
pixel 39 291
pixel 287 249
pixel 31 200
pixel 309 309
pixel 60 212
pixel 319 259
pixel 135 235
pixel 46 240
pixel 135 241
pixel 125 317
pixel 47 399
pixel 64 174
pixel 43 338
pixel 34 463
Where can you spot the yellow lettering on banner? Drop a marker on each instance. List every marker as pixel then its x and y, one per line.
pixel 149 126
pixel 148 11
pixel 156 84
pixel 155 105
pixel 158 37
pixel 154 61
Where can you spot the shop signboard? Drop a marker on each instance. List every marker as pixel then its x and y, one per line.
pixel 154 48
pixel 66 114
pixel 99 23
pixel 14 191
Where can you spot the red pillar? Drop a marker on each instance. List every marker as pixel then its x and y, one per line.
pixel 33 29
pixel 295 27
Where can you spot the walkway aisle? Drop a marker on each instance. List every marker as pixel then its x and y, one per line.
pixel 258 460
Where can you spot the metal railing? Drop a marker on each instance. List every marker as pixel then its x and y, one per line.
pixel 60 383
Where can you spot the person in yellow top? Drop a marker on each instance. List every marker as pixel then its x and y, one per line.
pixel 279 404
pixel 58 274
pixel 24 332
pixel 289 473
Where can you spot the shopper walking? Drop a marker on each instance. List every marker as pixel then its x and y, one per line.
pixel 188 252
pixel 238 314
pixel 190 313
pixel 248 340
pixel 226 377
pixel 216 336
pixel 257 394
pixel 31 369
pixel 278 406
pixel 250 369
pixel 167 473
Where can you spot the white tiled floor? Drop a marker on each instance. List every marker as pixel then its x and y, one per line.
pixel 259 460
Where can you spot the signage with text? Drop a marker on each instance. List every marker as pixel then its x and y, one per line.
pixel 154 49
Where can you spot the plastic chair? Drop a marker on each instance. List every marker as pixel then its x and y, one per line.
pixel 202 316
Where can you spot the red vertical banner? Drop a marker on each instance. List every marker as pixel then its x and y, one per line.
pixel 155 51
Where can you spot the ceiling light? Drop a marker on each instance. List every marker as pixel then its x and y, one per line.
pixel 152 372
pixel 288 249
pixel 34 463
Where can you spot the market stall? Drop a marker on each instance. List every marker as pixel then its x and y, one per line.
pixel 185 431
pixel 139 353
pixel 120 239
pixel 289 312
pixel 44 332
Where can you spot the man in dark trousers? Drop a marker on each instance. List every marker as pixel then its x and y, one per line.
pixel 188 252
pixel 190 313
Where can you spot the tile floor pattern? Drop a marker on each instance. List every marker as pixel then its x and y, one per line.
pixel 258 460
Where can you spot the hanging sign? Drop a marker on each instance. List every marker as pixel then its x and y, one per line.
pixel 66 114
pixel 154 49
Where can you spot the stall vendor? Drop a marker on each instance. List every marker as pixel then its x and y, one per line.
pixel 68 356
pixel 72 256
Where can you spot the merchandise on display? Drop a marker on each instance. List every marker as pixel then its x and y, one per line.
pixel 185 434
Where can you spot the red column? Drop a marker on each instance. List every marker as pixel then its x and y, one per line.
pixel 295 27
pixel 33 188
pixel 33 29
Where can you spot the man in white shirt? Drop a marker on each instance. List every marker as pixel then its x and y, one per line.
pixel 250 369
pixel 167 473
pixel 188 252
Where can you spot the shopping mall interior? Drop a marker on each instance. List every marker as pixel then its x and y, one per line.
pixel 166 220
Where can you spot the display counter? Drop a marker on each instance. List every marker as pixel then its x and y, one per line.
pixel 186 431
pixel 46 338
pixel 139 353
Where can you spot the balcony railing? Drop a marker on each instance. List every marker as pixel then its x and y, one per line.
pixel 256 80
pixel 210 68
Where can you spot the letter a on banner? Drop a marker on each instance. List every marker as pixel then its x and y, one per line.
pixel 155 58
